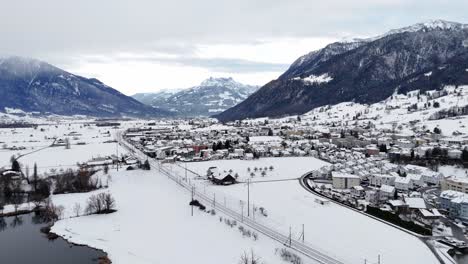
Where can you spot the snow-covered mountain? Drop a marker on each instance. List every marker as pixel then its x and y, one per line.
pixel 365 71
pixel 29 85
pixel 212 96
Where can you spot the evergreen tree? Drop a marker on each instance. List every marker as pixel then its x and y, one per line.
pixel 270 132
pixel 15 166
pixel 465 154
pixel 146 165
pixel 383 148
pixel 35 177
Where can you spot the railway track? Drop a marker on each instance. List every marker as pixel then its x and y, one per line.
pixel 314 254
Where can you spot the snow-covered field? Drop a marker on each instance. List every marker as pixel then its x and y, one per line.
pixel 35 142
pixel 341 232
pixel 153 224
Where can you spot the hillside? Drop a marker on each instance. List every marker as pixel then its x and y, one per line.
pixel 28 85
pixel 365 71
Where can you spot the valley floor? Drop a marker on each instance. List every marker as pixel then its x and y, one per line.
pixel 153 223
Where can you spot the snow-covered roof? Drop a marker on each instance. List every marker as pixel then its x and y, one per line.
pixel 416 203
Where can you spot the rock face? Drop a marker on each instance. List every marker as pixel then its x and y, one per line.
pixel 212 96
pixel 364 71
pixel 36 86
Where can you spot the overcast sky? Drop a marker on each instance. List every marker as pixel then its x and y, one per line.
pixel 148 45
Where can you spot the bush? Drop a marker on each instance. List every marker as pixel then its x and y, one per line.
pixel 102 203
pixel 289 256
pixel 51 212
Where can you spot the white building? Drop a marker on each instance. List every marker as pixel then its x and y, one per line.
pixel 403 184
pixel 387 192
pixel 344 180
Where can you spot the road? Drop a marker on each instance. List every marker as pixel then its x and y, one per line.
pixel 425 239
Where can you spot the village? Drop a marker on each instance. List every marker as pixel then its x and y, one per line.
pixel 410 175
pixel 379 170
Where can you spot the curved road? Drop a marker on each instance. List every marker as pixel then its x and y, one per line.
pixel 303 181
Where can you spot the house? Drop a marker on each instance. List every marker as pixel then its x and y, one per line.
pixel 403 184
pixel 372 196
pixel 398 206
pixel 455 203
pixel 357 191
pixel 59 142
pixel 248 156
pixel 239 152
pixel 223 179
pixel 415 203
pixel 454 153
pixel 455 184
pixel 344 180
pixel 100 161
pixel 372 150
pixel 416 180
pixel 387 192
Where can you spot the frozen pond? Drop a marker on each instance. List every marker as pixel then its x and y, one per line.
pixel 22 243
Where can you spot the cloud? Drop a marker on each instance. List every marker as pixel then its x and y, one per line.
pixel 214 64
pixel 253 40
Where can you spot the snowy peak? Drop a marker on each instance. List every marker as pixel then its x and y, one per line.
pixel 212 81
pixel 212 96
pixel 429 26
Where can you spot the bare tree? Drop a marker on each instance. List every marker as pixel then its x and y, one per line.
pixel 109 201
pixel 77 209
pixel 26 173
pixel 101 203
pixel 52 212
pixel 251 258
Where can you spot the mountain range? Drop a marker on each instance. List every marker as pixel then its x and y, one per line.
pixel 212 96
pixel 31 85
pixel 424 56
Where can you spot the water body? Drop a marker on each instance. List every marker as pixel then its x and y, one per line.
pixel 461 259
pixel 21 242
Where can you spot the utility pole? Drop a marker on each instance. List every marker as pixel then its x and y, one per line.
pixel 185 171
pixel 248 197
pixel 303 233
pixel 242 211
pixel 253 211
pixel 290 236
pixel 117 151
pixel 378 260
pixel 192 198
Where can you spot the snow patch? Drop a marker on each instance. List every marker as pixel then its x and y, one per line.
pixel 323 78
pixel 9 110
